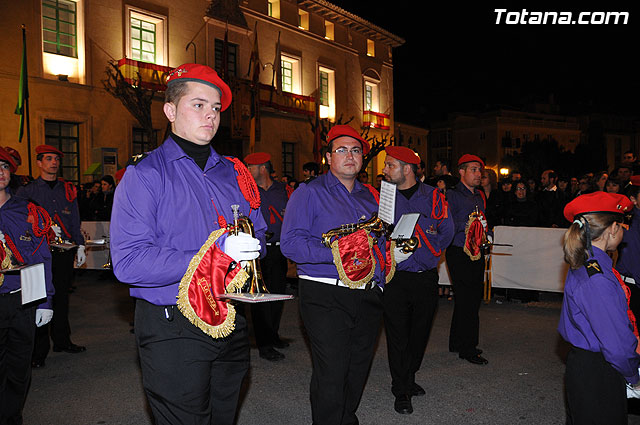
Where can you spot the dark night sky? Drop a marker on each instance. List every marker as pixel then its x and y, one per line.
pixel 457 59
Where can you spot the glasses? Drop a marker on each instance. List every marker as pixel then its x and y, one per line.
pixel 345 151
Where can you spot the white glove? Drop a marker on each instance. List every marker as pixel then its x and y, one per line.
pixel 489 238
pixel 400 255
pixel 43 316
pixel 81 256
pixel 484 223
pixel 2 237
pixel 57 230
pixel 242 247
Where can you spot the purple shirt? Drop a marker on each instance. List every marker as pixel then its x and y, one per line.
pixel 629 252
pixel 275 197
pixel 55 202
pixel 438 232
pixel 164 209
pixel 315 208
pixel 13 223
pixel 594 317
pixel 463 202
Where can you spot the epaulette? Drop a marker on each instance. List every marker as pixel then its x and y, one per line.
pixel 593 267
pixel 135 159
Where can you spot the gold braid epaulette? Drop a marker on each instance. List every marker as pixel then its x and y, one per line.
pixel 343 276
pixel 225 328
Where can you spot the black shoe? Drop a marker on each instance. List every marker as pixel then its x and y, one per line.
pixel 37 364
pixel 417 390
pixel 271 354
pixel 403 405
pixel 281 344
pixel 475 359
pixel 71 348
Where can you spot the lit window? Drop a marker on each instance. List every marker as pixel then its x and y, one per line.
pixel 273 8
pixel 146 36
pixel 143 40
pixel 326 93
pixel 303 19
pixel 290 67
pixel 329 33
pixel 371 48
pixel 59 27
pixel 371 96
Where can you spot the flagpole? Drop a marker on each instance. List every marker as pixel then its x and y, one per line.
pixel 26 111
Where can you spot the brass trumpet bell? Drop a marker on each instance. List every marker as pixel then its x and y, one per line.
pixel 255 282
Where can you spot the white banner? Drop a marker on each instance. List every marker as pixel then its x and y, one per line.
pixel 535 261
pixel 97 254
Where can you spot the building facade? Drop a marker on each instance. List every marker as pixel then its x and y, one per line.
pixel 333 65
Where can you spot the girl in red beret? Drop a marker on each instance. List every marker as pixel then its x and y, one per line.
pixel 595 318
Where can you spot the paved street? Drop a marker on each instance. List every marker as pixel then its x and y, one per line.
pixel 521 385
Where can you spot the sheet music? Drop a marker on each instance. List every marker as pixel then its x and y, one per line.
pixel 405 226
pixel 33 283
pixel 387 207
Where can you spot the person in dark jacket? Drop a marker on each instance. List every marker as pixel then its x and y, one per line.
pixel 521 211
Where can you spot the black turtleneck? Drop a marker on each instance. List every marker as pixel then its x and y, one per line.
pixel 199 153
pixel 408 193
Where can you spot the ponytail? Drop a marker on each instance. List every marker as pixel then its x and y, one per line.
pixel 584 229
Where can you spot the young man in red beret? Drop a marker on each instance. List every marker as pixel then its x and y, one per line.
pixel 170 219
pixel 467 274
pixel 59 198
pixel 273 201
pixel 341 311
pixel 411 297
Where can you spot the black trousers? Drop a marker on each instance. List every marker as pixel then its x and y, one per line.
pixel 342 325
pixel 59 328
pixel 596 393
pixel 266 316
pixel 467 277
pixel 17 331
pixel 410 303
pixel 189 377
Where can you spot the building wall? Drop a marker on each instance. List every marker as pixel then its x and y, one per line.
pixel 104 122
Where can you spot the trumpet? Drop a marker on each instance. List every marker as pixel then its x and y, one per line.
pixel 407 245
pixel 374 225
pixel 243 224
pixel 10 262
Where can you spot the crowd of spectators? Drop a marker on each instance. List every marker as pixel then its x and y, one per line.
pixel 95 199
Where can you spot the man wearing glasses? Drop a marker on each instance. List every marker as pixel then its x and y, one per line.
pixel 341 312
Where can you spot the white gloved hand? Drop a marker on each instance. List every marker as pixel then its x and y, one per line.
pixel 242 247
pixel 2 237
pixel 81 256
pixel 483 221
pixel 400 255
pixel 43 316
pixel 57 230
pixel 489 238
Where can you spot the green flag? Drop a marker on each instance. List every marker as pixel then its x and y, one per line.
pixel 23 91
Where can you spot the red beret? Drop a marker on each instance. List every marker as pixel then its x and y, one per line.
pixel 346 130
pixel 6 157
pixel 14 153
pixel 635 180
pixel 470 158
pixel 598 202
pixel 403 154
pixel 257 158
pixel 202 74
pixel 48 149
pixel 120 174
